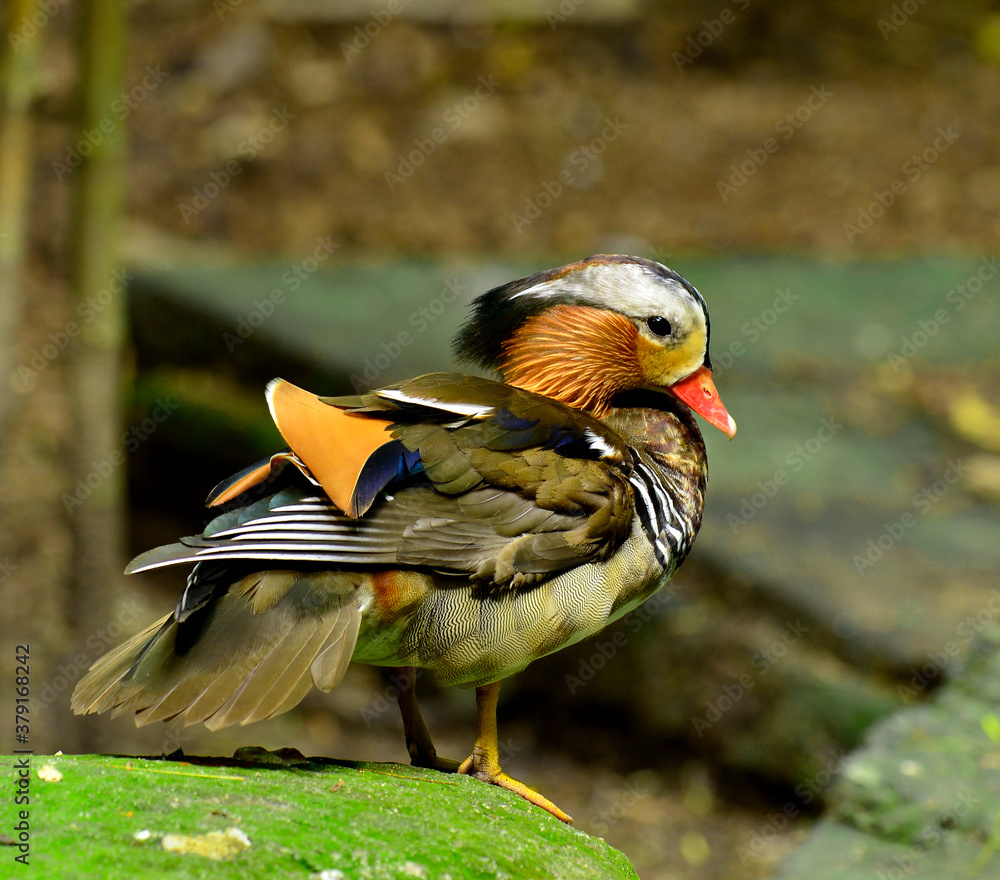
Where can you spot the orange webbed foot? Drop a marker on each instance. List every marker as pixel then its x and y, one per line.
pixel 484 762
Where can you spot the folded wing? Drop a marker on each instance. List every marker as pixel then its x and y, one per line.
pixel 456 474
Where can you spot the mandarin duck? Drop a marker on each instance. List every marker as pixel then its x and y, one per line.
pixel 455 523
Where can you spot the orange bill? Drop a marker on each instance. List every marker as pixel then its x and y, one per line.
pixel 333 444
pixel 698 392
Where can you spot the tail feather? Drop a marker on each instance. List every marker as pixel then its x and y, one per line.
pixel 168 554
pixel 252 651
pixel 96 691
pixel 331 664
pixel 284 671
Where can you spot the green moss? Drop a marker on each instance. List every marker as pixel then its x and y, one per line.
pixel 364 820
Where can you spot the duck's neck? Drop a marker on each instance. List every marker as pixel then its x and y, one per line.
pixel 665 430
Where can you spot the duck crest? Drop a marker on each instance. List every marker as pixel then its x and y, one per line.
pixel 578 355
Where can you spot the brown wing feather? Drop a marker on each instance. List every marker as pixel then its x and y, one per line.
pixel 510 517
pixel 511 488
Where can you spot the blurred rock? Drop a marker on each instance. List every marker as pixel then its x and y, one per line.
pixel 921 799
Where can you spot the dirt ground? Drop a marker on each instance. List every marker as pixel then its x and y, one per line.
pixel 262 133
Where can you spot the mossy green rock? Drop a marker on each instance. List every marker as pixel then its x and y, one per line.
pixel 922 798
pixel 108 817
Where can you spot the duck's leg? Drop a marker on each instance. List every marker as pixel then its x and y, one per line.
pixel 418 738
pixel 484 762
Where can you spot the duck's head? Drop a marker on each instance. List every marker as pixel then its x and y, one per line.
pixel 586 332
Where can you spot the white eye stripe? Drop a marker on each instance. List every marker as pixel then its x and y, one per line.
pixel 629 288
pixel 546 288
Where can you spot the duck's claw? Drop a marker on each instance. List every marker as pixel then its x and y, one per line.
pixel 498 777
pixel 484 762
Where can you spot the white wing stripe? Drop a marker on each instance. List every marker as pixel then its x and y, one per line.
pixel 463 409
pixel 599 444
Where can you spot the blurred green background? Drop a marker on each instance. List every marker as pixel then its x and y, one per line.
pixel 197 197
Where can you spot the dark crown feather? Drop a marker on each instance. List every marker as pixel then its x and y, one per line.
pixel 494 318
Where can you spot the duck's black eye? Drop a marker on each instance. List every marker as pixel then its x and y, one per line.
pixel 659 326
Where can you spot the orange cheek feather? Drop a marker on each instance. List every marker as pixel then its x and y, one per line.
pixel 577 355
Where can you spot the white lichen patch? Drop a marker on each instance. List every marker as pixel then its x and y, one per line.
pixel 48 773
pixel 216 845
